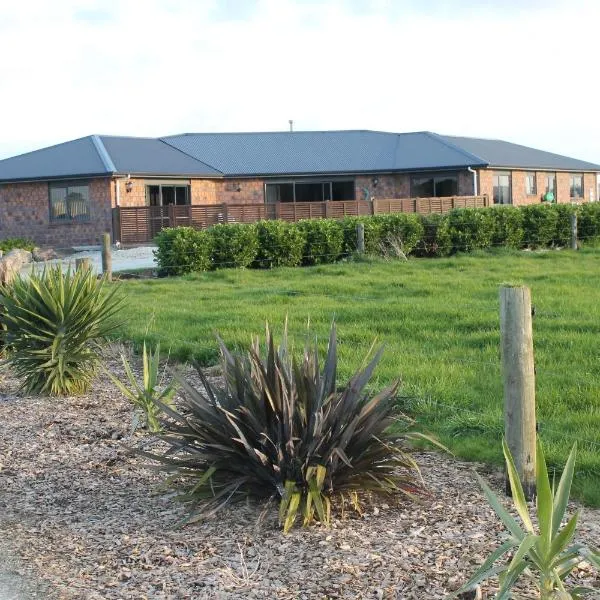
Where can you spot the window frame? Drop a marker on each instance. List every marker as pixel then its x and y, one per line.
pixel 435 177
pixel 66 184
pixel 510 187
pixel 530 190
pixel 572 177
pixel 168 183
pixel 326 188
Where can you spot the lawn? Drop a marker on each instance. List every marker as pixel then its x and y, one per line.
pixel 438 320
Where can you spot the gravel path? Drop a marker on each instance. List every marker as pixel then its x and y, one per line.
pixel 81 517
pixel 124 260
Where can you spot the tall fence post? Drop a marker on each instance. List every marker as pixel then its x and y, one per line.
pixel 106 256
pixel 83 264
pixel 574 231
pixel 519 382
pixel 360 238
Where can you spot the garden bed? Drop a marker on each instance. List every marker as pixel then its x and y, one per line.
pixel 80 518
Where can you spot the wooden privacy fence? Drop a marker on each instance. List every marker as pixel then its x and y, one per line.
pixel 140 224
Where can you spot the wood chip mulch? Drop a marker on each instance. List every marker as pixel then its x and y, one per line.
pixel 81 518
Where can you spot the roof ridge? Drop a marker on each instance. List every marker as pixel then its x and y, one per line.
pixel 189 155
pixel 105 157
pixel 440 139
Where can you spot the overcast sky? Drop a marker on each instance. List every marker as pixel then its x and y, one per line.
pixel 522 70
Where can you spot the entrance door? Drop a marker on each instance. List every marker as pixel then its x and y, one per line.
pixel 502 193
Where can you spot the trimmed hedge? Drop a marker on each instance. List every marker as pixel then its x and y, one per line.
pixel 233 245
pixel 8 244
pixel 269 244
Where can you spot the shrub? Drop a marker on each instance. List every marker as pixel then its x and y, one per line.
pixel 539 225
pixel 508 226
pixel 54 322
pixel 436 236
pixel 8 244
pixel 470 229
pixel 372 234
pixel 402 230
pixel 147 396
pixel 588 225
pixel 280 244
pixel 182 250
pixel 233 245
pixel 562 235
pixel 547 553
pixel 324 240
pixel 281 426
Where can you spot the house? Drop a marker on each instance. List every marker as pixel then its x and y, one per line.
pixel 65 195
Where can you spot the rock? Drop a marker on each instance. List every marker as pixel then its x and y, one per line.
pixel 42 255
pixel 11 264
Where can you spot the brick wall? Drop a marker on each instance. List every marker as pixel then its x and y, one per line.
pixel 518 189
pixel 25 212
pixel 251 191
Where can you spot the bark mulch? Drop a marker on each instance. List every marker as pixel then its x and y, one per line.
pixel 81 518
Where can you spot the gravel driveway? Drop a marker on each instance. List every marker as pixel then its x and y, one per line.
pixel 124 260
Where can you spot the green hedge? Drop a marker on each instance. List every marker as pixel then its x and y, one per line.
pixel 269 244
pixel 8 244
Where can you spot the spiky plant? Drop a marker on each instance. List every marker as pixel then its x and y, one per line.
pixel 279 427
pixel 148 394
pixel 54 321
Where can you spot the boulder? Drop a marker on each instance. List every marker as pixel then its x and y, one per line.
pixel 42 255
pixel 12 262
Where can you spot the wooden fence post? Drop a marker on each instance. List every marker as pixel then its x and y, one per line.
pixel 360 238
pixel 106 257
pixel 574 231
pixel 519 382
pixel 83 264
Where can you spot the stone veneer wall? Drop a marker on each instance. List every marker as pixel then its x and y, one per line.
pixel 25 212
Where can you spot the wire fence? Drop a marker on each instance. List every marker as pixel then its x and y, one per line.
pixel 488 423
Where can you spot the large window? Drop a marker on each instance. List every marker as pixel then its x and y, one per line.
pixel 550 193
pixel 69 202
pixel 502 193
pixel 434 185
pixel 576 184
pixel 530 186
pixel 309 191
pixel 163 194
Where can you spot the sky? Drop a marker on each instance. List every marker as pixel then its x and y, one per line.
pixel 522 70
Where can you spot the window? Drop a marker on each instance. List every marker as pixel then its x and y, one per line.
pixel 164 194
pixel 309 191
pixel 502 193
pixel 530 185
pixel 433 186
pixel 576 184
pixel 69 201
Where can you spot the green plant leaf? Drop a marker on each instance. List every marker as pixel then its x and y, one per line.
pixel 545 502
pixel 561 498
pixel 516 488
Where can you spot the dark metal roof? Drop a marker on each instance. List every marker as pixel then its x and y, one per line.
pixel 498 153
pixel 314 152
pixel 71 159
pixel 151 156
pixel 275 154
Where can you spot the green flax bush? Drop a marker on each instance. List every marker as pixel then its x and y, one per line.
pixel 54 323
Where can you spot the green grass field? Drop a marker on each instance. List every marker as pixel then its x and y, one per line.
pixel 439 322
